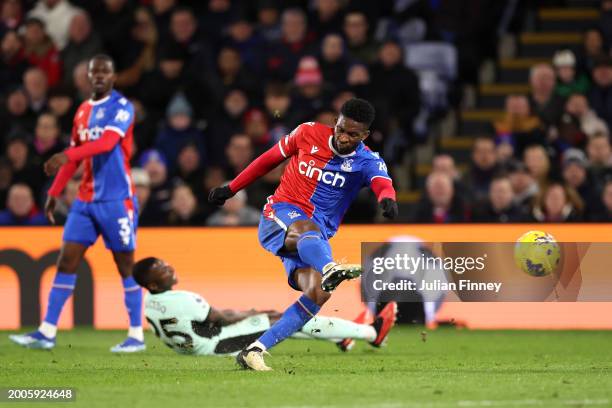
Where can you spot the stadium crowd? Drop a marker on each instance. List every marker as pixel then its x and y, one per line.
pixel 215 83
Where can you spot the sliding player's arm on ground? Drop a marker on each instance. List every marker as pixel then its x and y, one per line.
pixel 382 186
pixel 224 317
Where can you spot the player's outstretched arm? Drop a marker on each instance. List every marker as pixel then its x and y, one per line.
pixel 385 194
pixel 65 174
pixel 227 316
pixel 105 143
pixel 260 166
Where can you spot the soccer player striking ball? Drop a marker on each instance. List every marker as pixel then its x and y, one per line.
pixel 327 169
pixel 185 322
pixel 102 142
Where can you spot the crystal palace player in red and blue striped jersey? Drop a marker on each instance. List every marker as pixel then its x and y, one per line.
pixel 102 143
pixel 327 168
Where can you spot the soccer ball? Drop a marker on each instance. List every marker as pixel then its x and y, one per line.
pixel 537 253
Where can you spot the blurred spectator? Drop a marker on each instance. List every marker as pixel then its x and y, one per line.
pixel 577 106
pixel 113 21
pixel 391 82
pixel 142 185
pixel 81 82
pixel 230 73
pixel 227 122
pixel 568 80
pixel 21 208
pixel 189 166
pixel 327 17
pixel 24 171
pixel 239 153
pixel 279 110
pixel 440 204
pixel 500 206
pixel 576 176
pixel 63 107
pixel 268 20
pixel 214 177
pixel 40 51
pixel 538 163
pixel 309 96
pixel 333 62
pixel 162 12
pixel 605 214
pixel 257 129
pixel 184 35
pixel 184 208
pixel 139 54
pixel 543 100
pixel 83 43
pixel 358 81
pixel 47 139
pixel 11 14
pixel 517 129
pixel 482 169
pixel 327 117
pixel 600 96
pixel 62 208
pixel 235 212
pixel 12 61
pixel 605 21
pixel 600 156
pixel 158 204
pixel 593 47
pixel 36 86
pixel 284 54
pixel 217 17
pixel 56 16
pixel 145 127
pixel 241 35
pixel 557 203
pixel 6 178
pixel 524 186
pixel 179 131
pixel 359 44
pixel 159 85
pixel 16 116
pixel 445 164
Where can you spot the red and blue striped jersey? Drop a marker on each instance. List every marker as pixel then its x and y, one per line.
pixel 106 176
pixel 321 181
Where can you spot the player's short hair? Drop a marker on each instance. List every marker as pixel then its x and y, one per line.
pixel 103 57
pixel 140 270
pixel 359 110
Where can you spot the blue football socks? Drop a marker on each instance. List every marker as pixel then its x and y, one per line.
pixel 63 286
pixel 314 250
pixel 133 301
pixel 296 316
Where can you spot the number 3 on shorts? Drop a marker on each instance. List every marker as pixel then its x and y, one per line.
pixel 125 230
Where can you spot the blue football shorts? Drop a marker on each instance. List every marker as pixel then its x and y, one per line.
pixel 115 220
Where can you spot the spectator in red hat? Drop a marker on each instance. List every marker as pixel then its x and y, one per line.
pixel 308 80
pixel 257 129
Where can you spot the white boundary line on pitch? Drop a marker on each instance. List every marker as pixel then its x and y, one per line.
pixel 468 403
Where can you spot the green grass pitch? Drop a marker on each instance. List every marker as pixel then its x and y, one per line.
pixel 451 368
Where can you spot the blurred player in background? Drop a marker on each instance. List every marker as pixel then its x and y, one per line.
pixel 102 142
pixel 327 169
pixel 189 325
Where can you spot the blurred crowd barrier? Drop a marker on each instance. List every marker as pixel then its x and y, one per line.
pixel 229 268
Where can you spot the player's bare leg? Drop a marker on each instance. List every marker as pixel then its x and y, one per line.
pixel 68 262
pixel 305 233
pixel 124 260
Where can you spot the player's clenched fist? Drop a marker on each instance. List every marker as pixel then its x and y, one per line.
pixel 389 208
pixel 54 163
pixel 218 195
